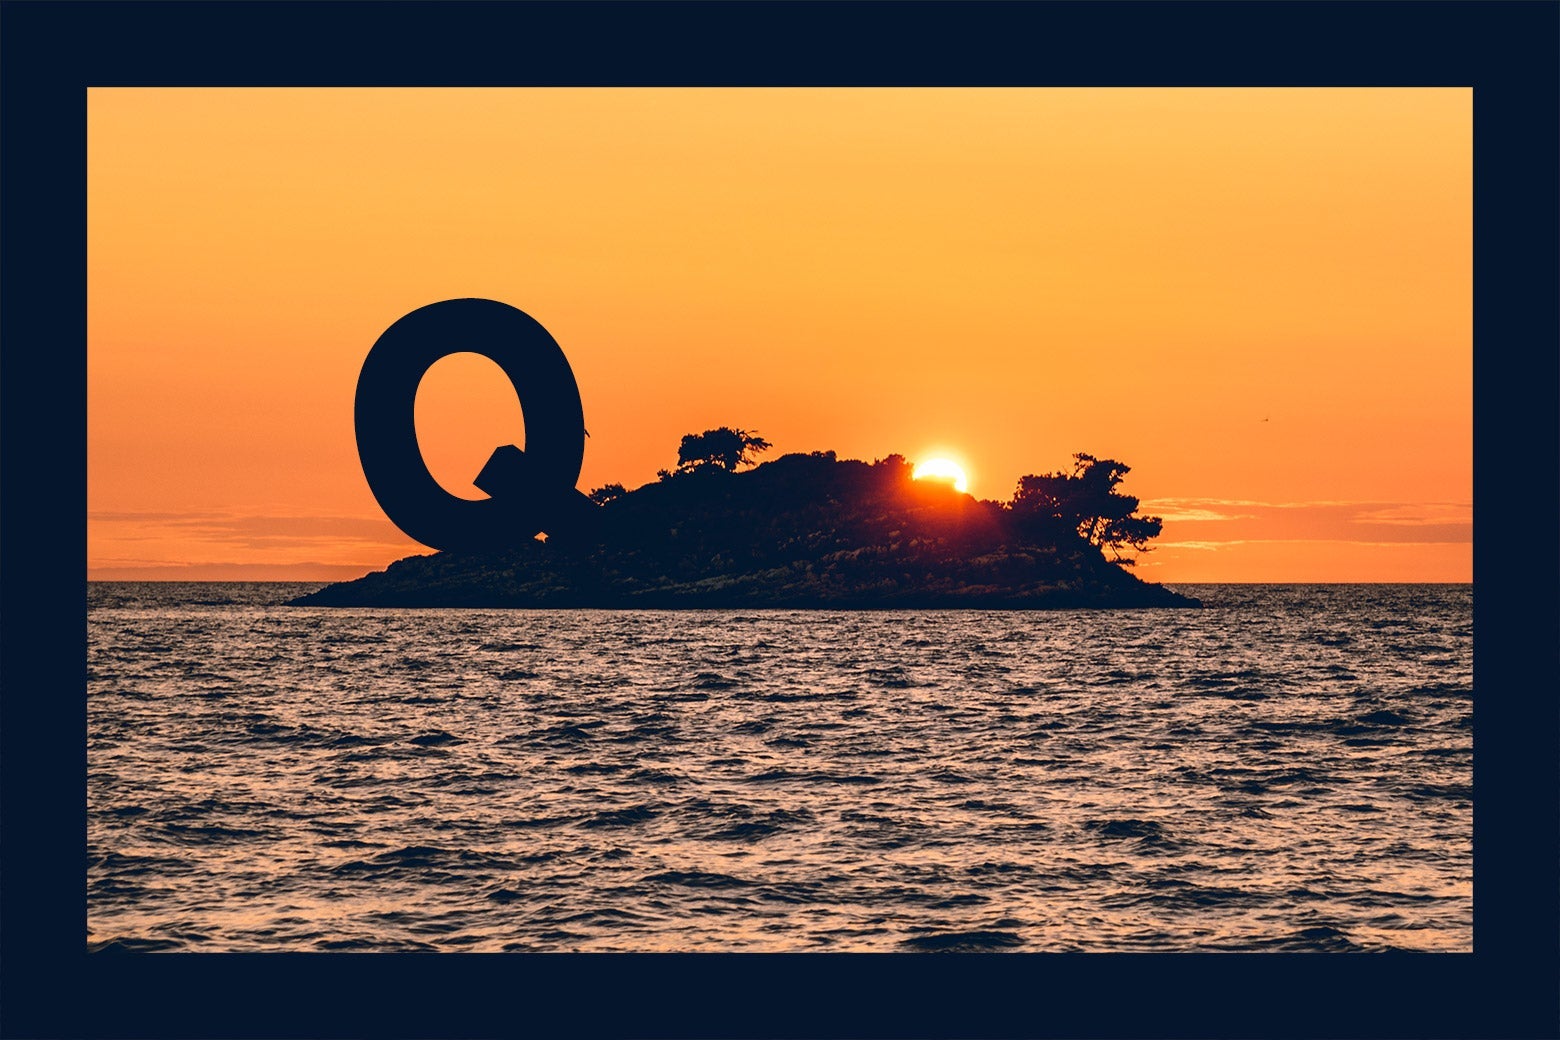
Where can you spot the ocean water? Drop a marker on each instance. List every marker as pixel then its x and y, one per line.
pixel 1288 769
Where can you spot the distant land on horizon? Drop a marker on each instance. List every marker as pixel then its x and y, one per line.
pixel 802 531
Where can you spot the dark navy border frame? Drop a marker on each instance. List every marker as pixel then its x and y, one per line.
pixel 51 52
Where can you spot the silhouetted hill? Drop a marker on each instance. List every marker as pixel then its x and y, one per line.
pixel 801 531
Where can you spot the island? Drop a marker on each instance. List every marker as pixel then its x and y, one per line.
pixel 803 531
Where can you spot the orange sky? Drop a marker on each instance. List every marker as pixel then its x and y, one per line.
pixel 1259 299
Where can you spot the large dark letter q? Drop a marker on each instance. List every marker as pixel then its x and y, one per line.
pixel 531 491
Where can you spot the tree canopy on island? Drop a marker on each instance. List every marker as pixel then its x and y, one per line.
pixel 722 448
pixel 1086 501
pixel 606 493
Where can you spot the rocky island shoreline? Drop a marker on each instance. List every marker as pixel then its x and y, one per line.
pixel 804 531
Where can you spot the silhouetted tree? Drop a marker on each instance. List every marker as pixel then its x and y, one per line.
pixel 1085 501
pixel 606 493
pixel 895 469
pixel 721 448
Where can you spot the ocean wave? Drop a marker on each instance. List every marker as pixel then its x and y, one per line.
pixel 696 879
pixel 963 942
pixel 629 817
pixel 1133 829
pixel 134 944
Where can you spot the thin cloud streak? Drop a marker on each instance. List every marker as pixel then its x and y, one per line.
pixel 1301 541
pixel 1209 521
pixel 162 546
pixel 1190 515
pixel 309 571
pixel 1218 503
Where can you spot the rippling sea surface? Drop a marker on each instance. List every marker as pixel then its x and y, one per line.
pixel 1288 769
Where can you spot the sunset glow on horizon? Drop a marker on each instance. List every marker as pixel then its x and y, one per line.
pixel 1259 299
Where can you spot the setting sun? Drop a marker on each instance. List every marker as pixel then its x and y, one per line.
pixel 944 470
